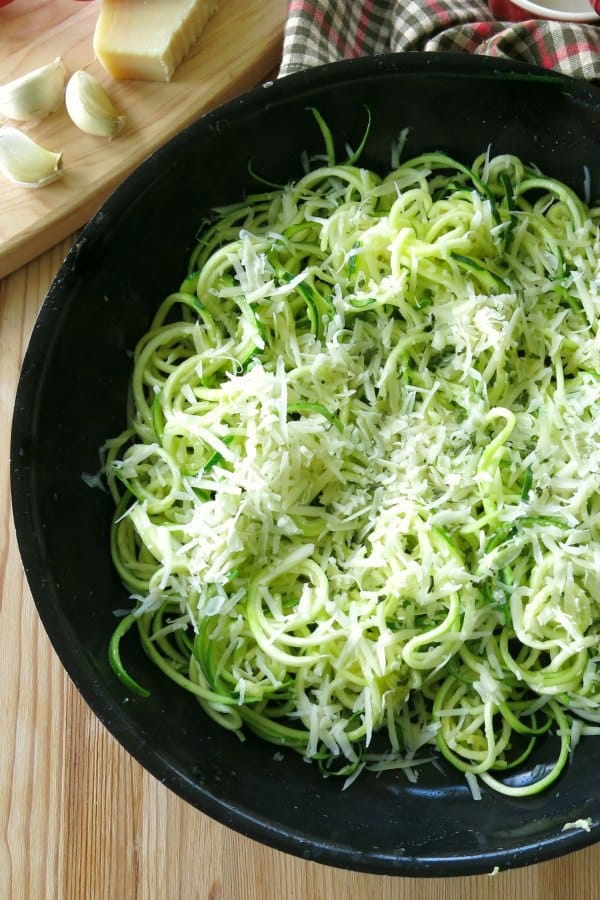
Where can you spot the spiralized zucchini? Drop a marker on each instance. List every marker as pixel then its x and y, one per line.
pixel 357 500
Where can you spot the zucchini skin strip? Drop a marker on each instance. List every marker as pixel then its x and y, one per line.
pixel 114 655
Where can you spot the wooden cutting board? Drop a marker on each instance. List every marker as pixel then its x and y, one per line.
pixel 240 46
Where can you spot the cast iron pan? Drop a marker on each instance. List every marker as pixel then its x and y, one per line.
pixel 71 397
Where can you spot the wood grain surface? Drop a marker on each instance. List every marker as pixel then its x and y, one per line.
pixel 239 46
pixel 81 820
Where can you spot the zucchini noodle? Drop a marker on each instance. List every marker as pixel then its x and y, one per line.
pixel 358 498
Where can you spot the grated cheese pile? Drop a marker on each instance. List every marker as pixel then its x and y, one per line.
pixel 358 500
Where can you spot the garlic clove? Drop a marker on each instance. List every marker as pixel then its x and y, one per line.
pixel 34 95
pixel 90 107
pixel 26 163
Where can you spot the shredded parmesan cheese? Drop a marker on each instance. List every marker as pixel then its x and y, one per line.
pixel 361 477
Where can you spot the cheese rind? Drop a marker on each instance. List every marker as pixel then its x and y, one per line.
pixel 134 39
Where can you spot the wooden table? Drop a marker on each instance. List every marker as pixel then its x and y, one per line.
pixel 81 820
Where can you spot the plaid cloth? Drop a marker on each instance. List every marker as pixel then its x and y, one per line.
pixel 322 31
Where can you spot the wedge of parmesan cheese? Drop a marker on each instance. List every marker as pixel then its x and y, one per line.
pixel 148 40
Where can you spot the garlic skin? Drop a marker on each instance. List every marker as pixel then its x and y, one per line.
pixel 90 107
pixel 34 95
pixel 26 163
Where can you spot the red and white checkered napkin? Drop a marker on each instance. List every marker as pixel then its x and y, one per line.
pixel 322 31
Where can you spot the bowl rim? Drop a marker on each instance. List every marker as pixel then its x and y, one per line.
pixel 557 15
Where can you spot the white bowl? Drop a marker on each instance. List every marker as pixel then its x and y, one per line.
pixel 560 10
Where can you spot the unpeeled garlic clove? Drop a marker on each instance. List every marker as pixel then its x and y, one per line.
pixel 90 107
pixel 34 95
pixel 26 163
